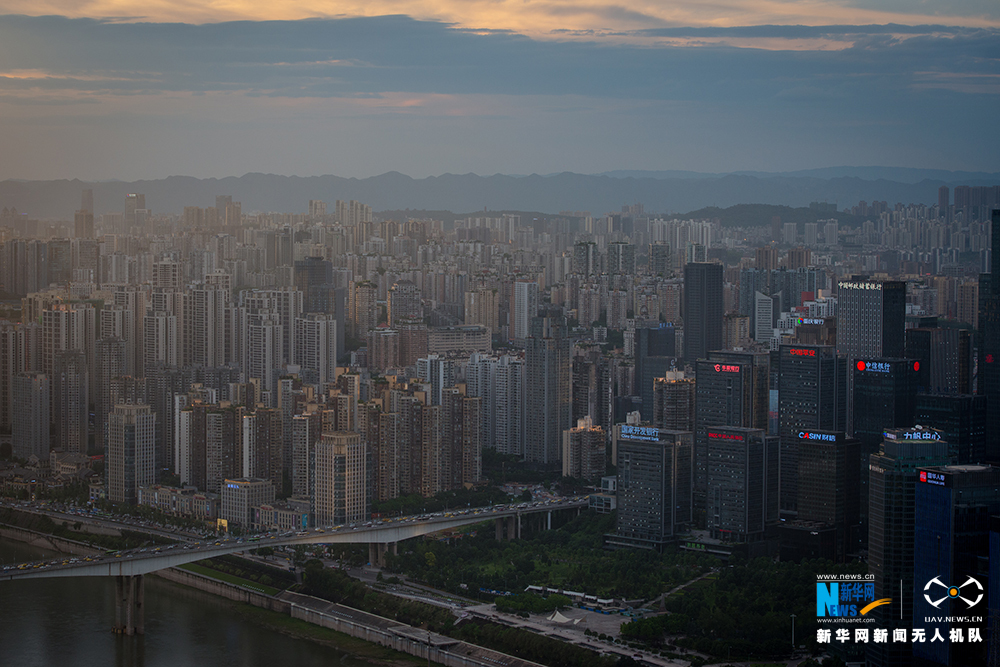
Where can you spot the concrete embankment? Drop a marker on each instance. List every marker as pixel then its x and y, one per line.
pixel 224 589
pixel 355 623
pixel 44 541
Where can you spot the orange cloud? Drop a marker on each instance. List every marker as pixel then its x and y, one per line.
pixel 562 19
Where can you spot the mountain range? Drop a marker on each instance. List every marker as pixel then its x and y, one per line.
pixel 658 191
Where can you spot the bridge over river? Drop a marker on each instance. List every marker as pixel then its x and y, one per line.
pixel 128 567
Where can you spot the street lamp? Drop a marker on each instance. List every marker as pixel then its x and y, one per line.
pixel 793 632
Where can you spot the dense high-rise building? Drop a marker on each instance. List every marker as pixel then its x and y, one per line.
pixel 812 395
pixel 83 224
pixel 523 308
pixel 404 302
pixel 315 347
pixel 621 259
pixel 383 439
pixel 19 350
pixel 583 451
pixel 413 342
pixel 60 261
pixel 439 373
pixel 87 201
pixel 30 428
pixel 383 349
pixel 342 493
pixel 287 303
pixel 586 258
pixel 944 201
pixel 131 456
pixel 363 309
pixel 482 306
pixel 890 531
pixel 67 327
pixel 314 278
pixel 660 261
pixel 110 364
pixel 499 382
pixel 261 446
pixel 209 323
pixel 161 340
pixel 223 438
pixel 654 486
pixel 952 509
pixel 549 369
pixel 766 258
pixel 674 401
pixel 317 210
pixel 462 427
pixel 702 309
pixel 262 348
pixel 742 483
pixel 306 432
pixel 592 386
pixel 134 203
pixel 71 402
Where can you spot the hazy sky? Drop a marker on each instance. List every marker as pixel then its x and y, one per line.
pixel 128 90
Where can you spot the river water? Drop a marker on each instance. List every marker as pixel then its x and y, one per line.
pixel 55 622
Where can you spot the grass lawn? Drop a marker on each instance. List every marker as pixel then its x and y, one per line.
pixel 228 578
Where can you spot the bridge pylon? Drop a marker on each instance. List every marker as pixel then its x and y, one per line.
pixel 129 602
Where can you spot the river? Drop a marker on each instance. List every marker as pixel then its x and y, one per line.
pixel 55 622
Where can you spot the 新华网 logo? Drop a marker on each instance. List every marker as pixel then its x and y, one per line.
pixel 846 598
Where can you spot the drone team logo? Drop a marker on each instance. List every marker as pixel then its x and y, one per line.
pixel 953 592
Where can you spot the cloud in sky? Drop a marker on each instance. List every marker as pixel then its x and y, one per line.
pixel 359 96
pixel 536 17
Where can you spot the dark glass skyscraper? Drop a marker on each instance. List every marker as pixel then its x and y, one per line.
pixel 654 486
pixel 742 474
pixel 989 342
pixel 952 509
pixel 812 394
pixel 961 418
pixel 885 391
pixel 549 370
pixel 731 389
pixel 829 488
pixel 654 352
pixel 890 531
pixel 945 356
pixel 884 394
pixel 702 309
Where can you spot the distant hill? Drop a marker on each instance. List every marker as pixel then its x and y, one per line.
pixel 469 192
pixel 898 174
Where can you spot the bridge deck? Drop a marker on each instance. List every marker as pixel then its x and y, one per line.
pixel 386 531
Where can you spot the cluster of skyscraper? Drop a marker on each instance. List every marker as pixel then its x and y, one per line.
pixel 342 359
